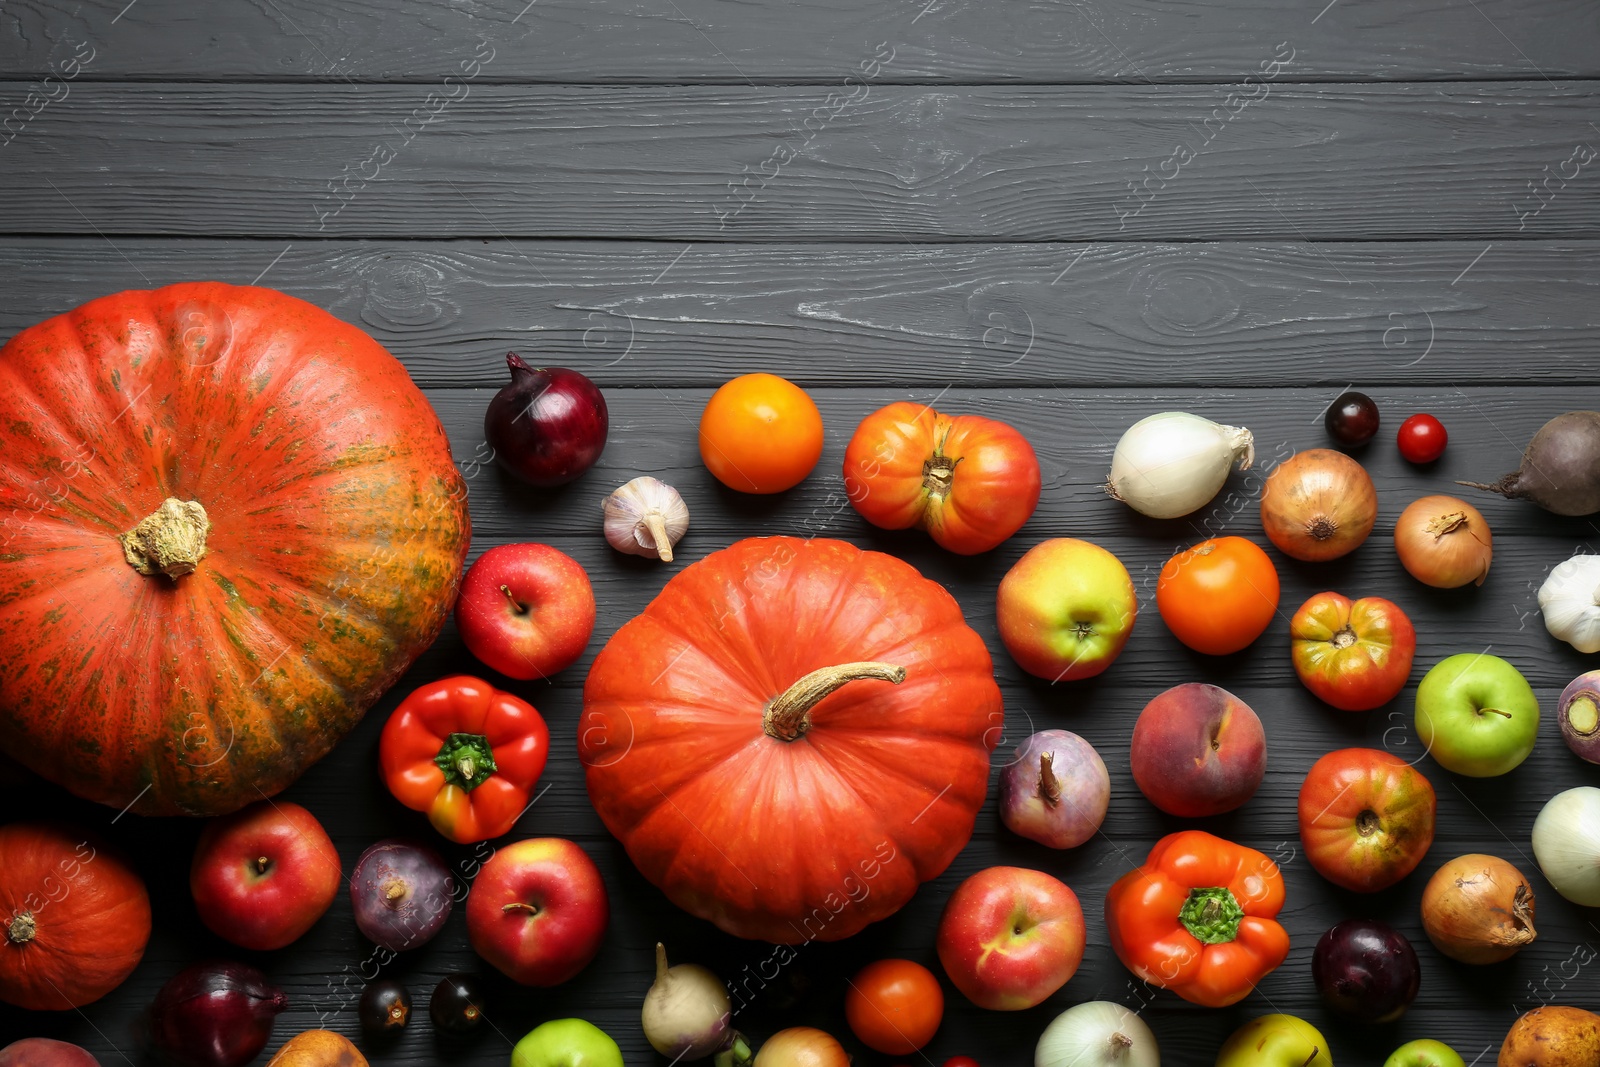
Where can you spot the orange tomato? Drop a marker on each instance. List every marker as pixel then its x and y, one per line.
pixel 760 434
pixel 1218 596
pixel 894 1006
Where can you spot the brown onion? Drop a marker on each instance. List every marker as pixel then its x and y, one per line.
pixel 1444 542
pixel 1478 909
pixel 1318 505
pixel 802 1046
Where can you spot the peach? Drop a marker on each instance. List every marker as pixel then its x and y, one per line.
pixel 1198 750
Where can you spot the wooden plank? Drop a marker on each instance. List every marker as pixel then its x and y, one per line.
pixel 885 315
pixel 753 164
pixel 810 40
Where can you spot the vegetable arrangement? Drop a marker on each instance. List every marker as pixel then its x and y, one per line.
pixel 790 740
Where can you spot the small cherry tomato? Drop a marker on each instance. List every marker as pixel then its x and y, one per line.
pixel 760 434
pixel 1218 596
pixel 1352 420
pixel 1422 439
pixel 894 1006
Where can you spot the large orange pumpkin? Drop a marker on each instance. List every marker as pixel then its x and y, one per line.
pixel 228 522
pixel 74 918
pixel 792 737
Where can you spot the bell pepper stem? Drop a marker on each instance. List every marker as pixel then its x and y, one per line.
pixel 466 760
pixel 1212 915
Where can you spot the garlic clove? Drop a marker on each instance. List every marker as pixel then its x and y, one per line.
pixel 645 517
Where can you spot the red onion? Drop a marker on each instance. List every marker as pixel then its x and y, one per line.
pixel 548 426
pixel 215 1015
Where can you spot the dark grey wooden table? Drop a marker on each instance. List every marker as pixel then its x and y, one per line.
pixel 1063 215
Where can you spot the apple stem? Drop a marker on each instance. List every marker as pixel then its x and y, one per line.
pixel 661 961
pixel 1049 786
pixel 517 905
pixel 519 608
pixel 1315 1052
pixel 658 533
pixel 1494 711
pixel 788 717
pixel 262 863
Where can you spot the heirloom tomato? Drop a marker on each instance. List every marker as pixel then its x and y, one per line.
pixel 1355 655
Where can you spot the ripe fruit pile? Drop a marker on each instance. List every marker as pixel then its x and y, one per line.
pixel 821 716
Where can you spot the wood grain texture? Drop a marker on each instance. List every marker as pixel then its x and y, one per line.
pixel 630 313
pixel 1073 429
pixel 757 164
pixel 810 40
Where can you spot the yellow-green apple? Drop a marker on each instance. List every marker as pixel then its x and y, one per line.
pixel 264 875
pixel 1424 1052
pixel 1198 750
pixel 538 910
pixel 1066 608
pixel 566 1043
pixel 526 610
pixel 1477 715
pixel 1275 1041
pixel 1010 937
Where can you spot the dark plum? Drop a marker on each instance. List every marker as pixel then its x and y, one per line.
pixel 548 426
pixel 215 1015
pixel 385 1007
pixel 457 1004
pixel 1366 971
pixel 1352 420
pixel 402 894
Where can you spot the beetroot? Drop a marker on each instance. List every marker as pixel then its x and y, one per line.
pixel 1561 467
pixel 215 1015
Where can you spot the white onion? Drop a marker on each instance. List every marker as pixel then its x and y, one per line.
pixel 1566 842
pixel 1173 463
pixel 1097 1034
pixel 1570 600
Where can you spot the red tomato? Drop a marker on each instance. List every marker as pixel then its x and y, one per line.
pixel 894 1006
pixel 760 434
pixel 1218 596
pixel 1366 818
pixel 1353 655
pixel 970 482
pixel 1422 439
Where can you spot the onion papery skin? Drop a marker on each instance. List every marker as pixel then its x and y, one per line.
pixel 1478 909
pixel 1098 1033
pixel 1172 464
pixel 1444 542
pixel 1566 842
pixel 1318 505
pixel 802 1046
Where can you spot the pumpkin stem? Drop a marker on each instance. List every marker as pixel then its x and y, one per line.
pixel 789 716
pixel 170 540
pixel 21 928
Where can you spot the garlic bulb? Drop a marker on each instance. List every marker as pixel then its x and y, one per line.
pixel 1570 600
pixel 1170 464
pixel 646 517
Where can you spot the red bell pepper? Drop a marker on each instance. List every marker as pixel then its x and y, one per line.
pixel 467 754
pixel 1197 918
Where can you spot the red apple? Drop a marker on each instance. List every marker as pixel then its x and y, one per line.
pixel 1198 750
pixel 538 910
pixel 1010 937
pixel 262 876
pixel 526 610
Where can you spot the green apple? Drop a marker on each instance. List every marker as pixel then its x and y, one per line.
pixel 1477 714
pixel 1275 1041
pixel 1424 1052
pixel 1066 609
pixel 566 1043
